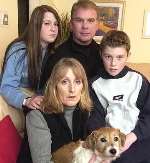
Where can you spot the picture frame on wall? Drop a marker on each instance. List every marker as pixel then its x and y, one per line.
pixel 146 24
pixel 111 15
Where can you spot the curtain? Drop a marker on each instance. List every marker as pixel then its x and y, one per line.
pixel 23 15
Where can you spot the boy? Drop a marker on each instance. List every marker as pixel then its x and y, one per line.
pixel 122 96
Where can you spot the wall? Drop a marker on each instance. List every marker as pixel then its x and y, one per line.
pixel 34 3
pixel 133 22
pixel 10 31
pixel 64 5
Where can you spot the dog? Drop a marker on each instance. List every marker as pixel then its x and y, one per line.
pixel 101 145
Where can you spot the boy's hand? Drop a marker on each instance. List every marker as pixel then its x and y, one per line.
pixel 130 139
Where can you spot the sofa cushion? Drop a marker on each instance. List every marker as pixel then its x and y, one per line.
pixel 10 141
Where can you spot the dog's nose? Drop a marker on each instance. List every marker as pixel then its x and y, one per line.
pixel 113 151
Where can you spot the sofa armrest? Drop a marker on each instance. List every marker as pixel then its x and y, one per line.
pixel 143 68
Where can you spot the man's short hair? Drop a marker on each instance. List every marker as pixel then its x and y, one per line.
pixel 85 4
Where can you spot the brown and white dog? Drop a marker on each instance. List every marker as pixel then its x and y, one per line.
pixel 101 145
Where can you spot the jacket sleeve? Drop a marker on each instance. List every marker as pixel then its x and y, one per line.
pixel 97 115
pixel 39 137
pixel 12 78
pixel 142 127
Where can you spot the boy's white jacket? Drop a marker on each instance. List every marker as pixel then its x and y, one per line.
pixel 123 101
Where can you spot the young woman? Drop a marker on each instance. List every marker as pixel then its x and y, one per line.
pixel 25 55
pixel 66 105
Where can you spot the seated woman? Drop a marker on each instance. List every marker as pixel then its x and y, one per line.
pixel 66 106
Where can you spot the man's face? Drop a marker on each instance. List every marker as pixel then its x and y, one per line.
pixel 84 25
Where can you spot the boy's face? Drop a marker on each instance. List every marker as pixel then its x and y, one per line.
pixel 114 59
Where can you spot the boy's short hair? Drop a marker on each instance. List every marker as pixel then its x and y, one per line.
pixel 115 38
pixel 85 4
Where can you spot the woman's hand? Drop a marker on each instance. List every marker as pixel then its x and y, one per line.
pixel 34 102
pixel 130 139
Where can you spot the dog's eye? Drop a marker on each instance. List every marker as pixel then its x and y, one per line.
pixel 116 138
pixel 103 140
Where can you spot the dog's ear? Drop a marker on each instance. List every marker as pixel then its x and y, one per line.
pixel 123 138
pixel 91 140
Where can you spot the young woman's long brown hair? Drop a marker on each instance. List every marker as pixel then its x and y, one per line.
pixel 31 38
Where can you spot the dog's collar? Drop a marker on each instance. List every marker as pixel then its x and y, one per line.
pixel 93 158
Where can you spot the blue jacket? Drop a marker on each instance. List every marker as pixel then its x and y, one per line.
pixel 15 75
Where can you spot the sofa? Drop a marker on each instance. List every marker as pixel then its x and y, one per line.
pixel 143 68
pixel 18 117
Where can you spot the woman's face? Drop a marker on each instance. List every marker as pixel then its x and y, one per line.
pixel 69 89
pixel 49 29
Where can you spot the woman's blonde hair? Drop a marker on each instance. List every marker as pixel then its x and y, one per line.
pixel 51 102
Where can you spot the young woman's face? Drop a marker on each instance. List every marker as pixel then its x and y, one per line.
pixel 49 29
pixel 114 59
pixel 69 89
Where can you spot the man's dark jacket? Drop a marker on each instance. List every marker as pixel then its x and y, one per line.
pixel 88 55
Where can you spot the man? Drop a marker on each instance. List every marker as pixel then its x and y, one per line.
pixel 80 45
